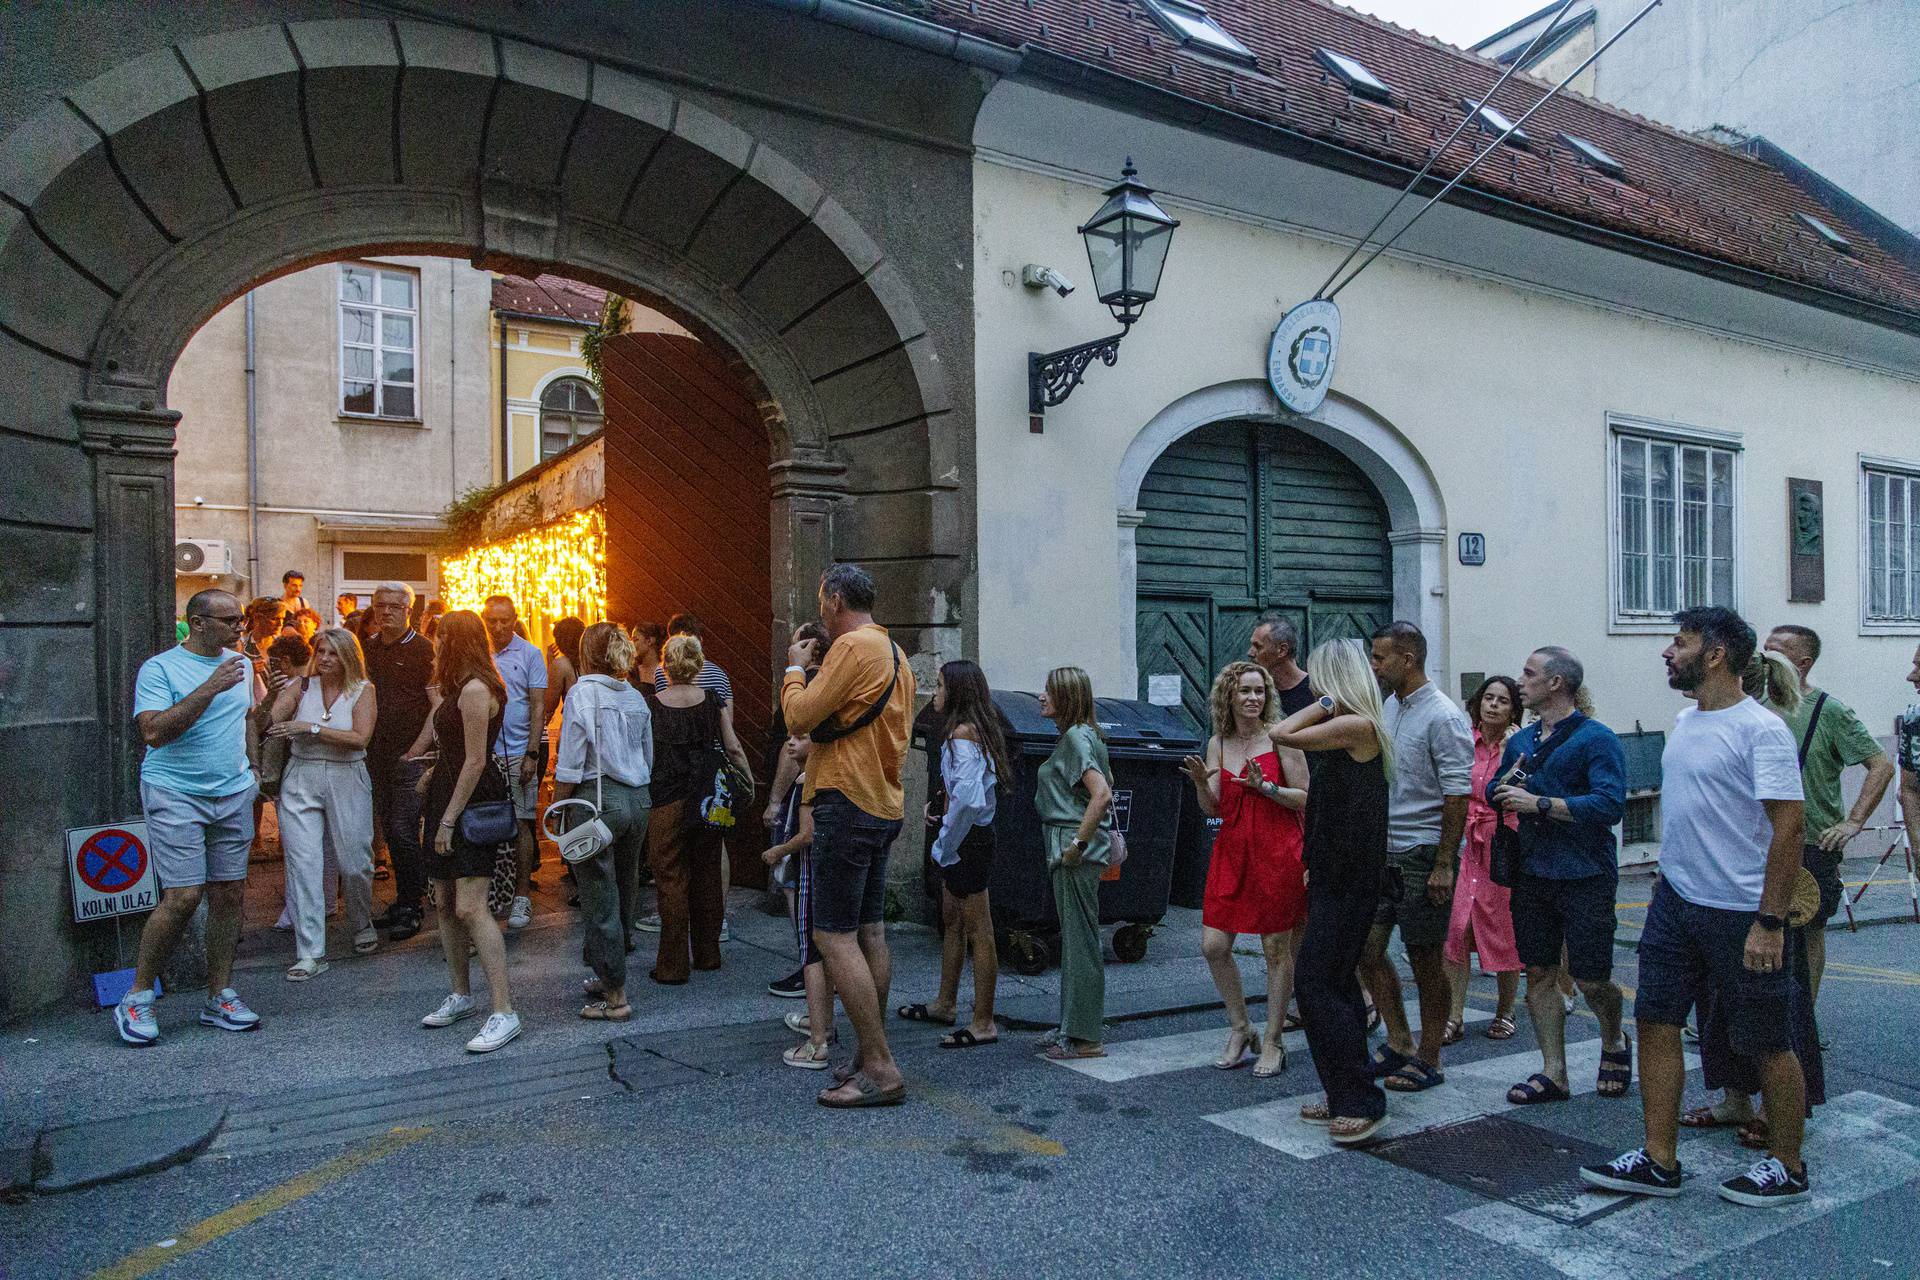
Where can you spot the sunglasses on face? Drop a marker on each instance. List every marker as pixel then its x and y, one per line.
pixel 224 619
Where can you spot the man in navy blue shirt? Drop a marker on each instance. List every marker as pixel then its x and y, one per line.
pixel 1566 775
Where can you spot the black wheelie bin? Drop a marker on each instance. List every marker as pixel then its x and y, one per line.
pixel 1145 745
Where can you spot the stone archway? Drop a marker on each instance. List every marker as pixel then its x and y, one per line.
pixel 139 203
pixel 1415 510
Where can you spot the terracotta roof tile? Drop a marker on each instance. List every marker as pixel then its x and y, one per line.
pixel 1683 192
pixel 553 296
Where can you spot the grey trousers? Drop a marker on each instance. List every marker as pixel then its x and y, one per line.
pixel 609 881
pixel 326 804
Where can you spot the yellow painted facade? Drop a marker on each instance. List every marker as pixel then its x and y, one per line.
pixel 537 353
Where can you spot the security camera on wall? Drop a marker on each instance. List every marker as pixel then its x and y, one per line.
pixel 1038 277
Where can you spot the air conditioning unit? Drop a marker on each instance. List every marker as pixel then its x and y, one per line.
pixel 202 558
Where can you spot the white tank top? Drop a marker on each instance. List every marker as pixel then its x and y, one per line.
pixel 313 710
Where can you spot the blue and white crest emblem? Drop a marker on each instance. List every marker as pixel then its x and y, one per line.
pixel 1301 356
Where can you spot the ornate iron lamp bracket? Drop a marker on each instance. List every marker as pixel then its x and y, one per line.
pixel 1051 378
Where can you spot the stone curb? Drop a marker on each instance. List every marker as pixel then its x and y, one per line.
pixel 90 1154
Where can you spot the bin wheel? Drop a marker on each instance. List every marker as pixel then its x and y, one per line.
pixel 1026 954
pixel 1130 942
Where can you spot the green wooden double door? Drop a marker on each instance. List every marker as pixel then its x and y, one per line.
pixel 1243 517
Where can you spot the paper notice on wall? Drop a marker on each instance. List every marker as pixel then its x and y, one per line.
pixel 1163 689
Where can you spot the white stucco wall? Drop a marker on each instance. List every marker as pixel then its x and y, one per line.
pixel 1502 397
pixel 314 464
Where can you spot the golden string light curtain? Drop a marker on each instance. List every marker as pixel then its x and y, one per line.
pixel 556 571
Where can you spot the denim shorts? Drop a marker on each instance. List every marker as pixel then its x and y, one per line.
pixel 849 864
pixel 1691 953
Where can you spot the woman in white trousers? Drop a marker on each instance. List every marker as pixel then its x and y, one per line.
pixel 326 799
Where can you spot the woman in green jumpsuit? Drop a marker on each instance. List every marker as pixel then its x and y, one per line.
pixel 1074 796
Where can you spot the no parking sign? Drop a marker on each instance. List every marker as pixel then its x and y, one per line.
pixel 111 870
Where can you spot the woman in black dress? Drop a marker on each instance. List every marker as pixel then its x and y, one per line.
pixel 466 721
pixel 1346 855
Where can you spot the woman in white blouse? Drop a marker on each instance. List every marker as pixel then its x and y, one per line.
pixel 973 762
pixel 326 798
pixel 606 754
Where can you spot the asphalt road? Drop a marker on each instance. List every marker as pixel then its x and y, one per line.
pixel 1148 1163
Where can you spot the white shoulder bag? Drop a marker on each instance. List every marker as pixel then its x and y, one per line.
pixel 587 837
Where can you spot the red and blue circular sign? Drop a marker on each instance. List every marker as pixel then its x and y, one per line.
pixel 111 860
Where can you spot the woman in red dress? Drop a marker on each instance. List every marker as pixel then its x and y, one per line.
pixel 1482 918
pixel 1256 882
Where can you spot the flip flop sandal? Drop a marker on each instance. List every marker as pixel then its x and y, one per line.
pixel 1536 1088
pixel 1415 1077
pixel 1704 1118
pixel 965 1039
pixel 601 1011
pixel 806 1057
pixel 1754 1135
pixel 306 970
pixel 1454 1032
pixel 1386 1061
pixel 1501 1029
pixel 1616 1069
pixel 868 1094
pixel 1316 1113
pixel 593 986
pixel 1064 1052
pixel 365 944
pixel 920 1013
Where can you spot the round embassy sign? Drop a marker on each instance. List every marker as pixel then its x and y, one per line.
pixel 1300 357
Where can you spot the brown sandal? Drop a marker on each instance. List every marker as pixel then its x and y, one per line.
pixel 1454 1032
pixel 601 1011
pixel 1501 1029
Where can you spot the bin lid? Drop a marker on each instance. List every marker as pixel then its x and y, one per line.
pixel 1130 726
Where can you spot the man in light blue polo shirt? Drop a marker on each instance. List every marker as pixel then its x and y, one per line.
pixel 197 785
pixel 523 669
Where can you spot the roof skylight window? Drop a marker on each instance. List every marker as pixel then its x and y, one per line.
pixel 1496 123
pixel 1356 77
pixel 1188 22
pixel 1595 157
pixel 1834 239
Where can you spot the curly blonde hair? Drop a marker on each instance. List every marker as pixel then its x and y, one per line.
pixel 683 657
pixel 1227 683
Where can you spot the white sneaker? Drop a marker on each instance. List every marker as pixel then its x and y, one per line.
pixel 451 1010
pixel 651 924
pixel 522 914
pixel 500 1028
pixel 133 1017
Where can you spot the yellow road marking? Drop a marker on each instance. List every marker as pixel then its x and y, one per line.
pixel 1001 1135
pixel 1838 966
pixel 273 1199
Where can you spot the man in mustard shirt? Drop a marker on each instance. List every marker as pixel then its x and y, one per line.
pixel 858 711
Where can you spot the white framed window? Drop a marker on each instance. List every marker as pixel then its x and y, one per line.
pixel 1889 547
pixel 1674 523
pixel 358 570
pixel 379 341
pixel 569 413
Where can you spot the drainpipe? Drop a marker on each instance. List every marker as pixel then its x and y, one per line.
pixel 506 432
pixel 253 465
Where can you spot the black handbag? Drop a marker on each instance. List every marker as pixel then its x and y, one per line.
pixel 491 822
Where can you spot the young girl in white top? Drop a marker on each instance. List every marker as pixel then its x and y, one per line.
pixel 326 799
pixel 973 762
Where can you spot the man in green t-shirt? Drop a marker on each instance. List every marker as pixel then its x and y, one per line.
pixel 1831 740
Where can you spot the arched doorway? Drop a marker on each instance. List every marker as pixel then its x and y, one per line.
pixel 144 200
pixel 1240 517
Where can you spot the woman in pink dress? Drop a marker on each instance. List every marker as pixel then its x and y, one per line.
pixel 1482 920
pixel 1256 882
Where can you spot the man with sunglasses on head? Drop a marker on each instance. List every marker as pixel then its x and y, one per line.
pixel 197 786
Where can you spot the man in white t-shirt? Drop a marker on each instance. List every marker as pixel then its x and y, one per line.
pixel 1730 837
pixel 523 669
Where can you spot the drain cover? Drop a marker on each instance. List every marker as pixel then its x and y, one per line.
pixel 1527 1167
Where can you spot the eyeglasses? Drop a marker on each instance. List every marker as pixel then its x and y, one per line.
pixel 224 619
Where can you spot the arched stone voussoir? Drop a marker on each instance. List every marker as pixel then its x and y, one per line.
pixel 45 300
pixel 694 165
pixel 901 384
pixel 443 102
pixel 756 214
pixel 252 85
pixel 617 135
pixel 353 71
pixel 538 103
pixel 857 324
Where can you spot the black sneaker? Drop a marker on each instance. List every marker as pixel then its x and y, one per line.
pixel 395 913
pixel 1635 1173
pixel 1766 1184
pixel 791 987
pixel 405 925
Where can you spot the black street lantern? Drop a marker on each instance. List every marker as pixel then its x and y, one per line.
pixel 1127 242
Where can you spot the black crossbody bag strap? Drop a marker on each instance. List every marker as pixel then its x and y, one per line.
pixel 827 731
pixel 1813 722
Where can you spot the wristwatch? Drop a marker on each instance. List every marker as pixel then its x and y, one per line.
pixel 1079 844
pixel 1326 704
pixel 1772 924
pixel 314 729
pixel 1544 805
